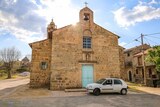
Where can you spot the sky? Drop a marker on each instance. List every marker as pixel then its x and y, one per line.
pixel 25 21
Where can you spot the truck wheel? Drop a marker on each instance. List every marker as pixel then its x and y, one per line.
pixel 124 91
pixel 96 91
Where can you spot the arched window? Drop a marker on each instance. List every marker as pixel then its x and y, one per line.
pixel 86 42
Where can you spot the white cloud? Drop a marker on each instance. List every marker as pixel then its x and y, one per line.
pixel 141 12
pixel 27 19
pixel 62 12
pixel 122 44
pixel 153 2
pixel 19 18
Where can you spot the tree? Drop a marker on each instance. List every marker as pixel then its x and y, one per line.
pixel 154 57
pixel 8 56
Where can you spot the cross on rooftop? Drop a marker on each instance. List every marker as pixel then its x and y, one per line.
pixel 86 4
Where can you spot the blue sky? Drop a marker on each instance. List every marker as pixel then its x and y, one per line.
pixel 25 21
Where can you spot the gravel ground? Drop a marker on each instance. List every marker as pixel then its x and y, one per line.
pixel 20 95
pixel 82 99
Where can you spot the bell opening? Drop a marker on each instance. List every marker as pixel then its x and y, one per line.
pixel 86 17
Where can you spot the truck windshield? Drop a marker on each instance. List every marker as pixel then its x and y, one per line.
pixel 100 81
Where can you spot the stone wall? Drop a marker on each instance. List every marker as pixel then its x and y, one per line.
pixel 67 51
pixel 64 53
pixel 123 74
pixel 67 58
pixel 41 52
pixel 106 53
pixel 130 61
pixel 139 76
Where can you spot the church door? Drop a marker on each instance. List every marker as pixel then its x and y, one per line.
pixel 87 75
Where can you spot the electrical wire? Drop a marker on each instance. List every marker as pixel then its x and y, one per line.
pixel 134 40
pixel 151 41
pixel 153 37
pixel 147 41
pixel 152 34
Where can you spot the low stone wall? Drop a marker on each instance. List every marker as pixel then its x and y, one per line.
pixel 39 80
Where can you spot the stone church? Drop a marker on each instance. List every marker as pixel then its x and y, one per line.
pixel 75 55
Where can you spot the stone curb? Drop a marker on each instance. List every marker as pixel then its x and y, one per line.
pixel 75 90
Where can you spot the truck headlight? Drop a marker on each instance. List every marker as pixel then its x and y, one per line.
pixel 90 87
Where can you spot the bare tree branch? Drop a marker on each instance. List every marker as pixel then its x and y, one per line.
pixel 8 56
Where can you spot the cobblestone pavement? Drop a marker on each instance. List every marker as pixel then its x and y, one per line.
pixel 83 99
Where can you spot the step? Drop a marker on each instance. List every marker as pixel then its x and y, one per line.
pixel 76 90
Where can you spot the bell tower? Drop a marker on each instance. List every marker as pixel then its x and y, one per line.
pixel 86 17
pixel 51 27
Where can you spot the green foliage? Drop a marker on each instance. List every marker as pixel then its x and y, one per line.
pixel 2 74
pixel 154 57
pixel 2 71
pixel 21 70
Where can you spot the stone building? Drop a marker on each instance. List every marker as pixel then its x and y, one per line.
pixel 75 55
pixel 150 69
pixel 25 63
pixel 130 72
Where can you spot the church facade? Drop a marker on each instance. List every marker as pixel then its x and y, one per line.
pixel 75 55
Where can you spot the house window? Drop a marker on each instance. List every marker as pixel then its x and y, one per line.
pixel 136 71
pixel 139 60
pixel 86 42
pixel 128 54
pixel 43 65
pixel 150 72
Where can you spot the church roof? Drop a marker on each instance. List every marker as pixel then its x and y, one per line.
pixel 30 44
pixel 25 59
pixel 65 27
pixel 86 8
pixel 108 30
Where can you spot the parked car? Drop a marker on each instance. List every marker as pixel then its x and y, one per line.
pixel 24 73
pixel 108 85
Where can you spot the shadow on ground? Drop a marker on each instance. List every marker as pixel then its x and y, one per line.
pixel 23 91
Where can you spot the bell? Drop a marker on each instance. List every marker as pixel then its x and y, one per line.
pixel 86 17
